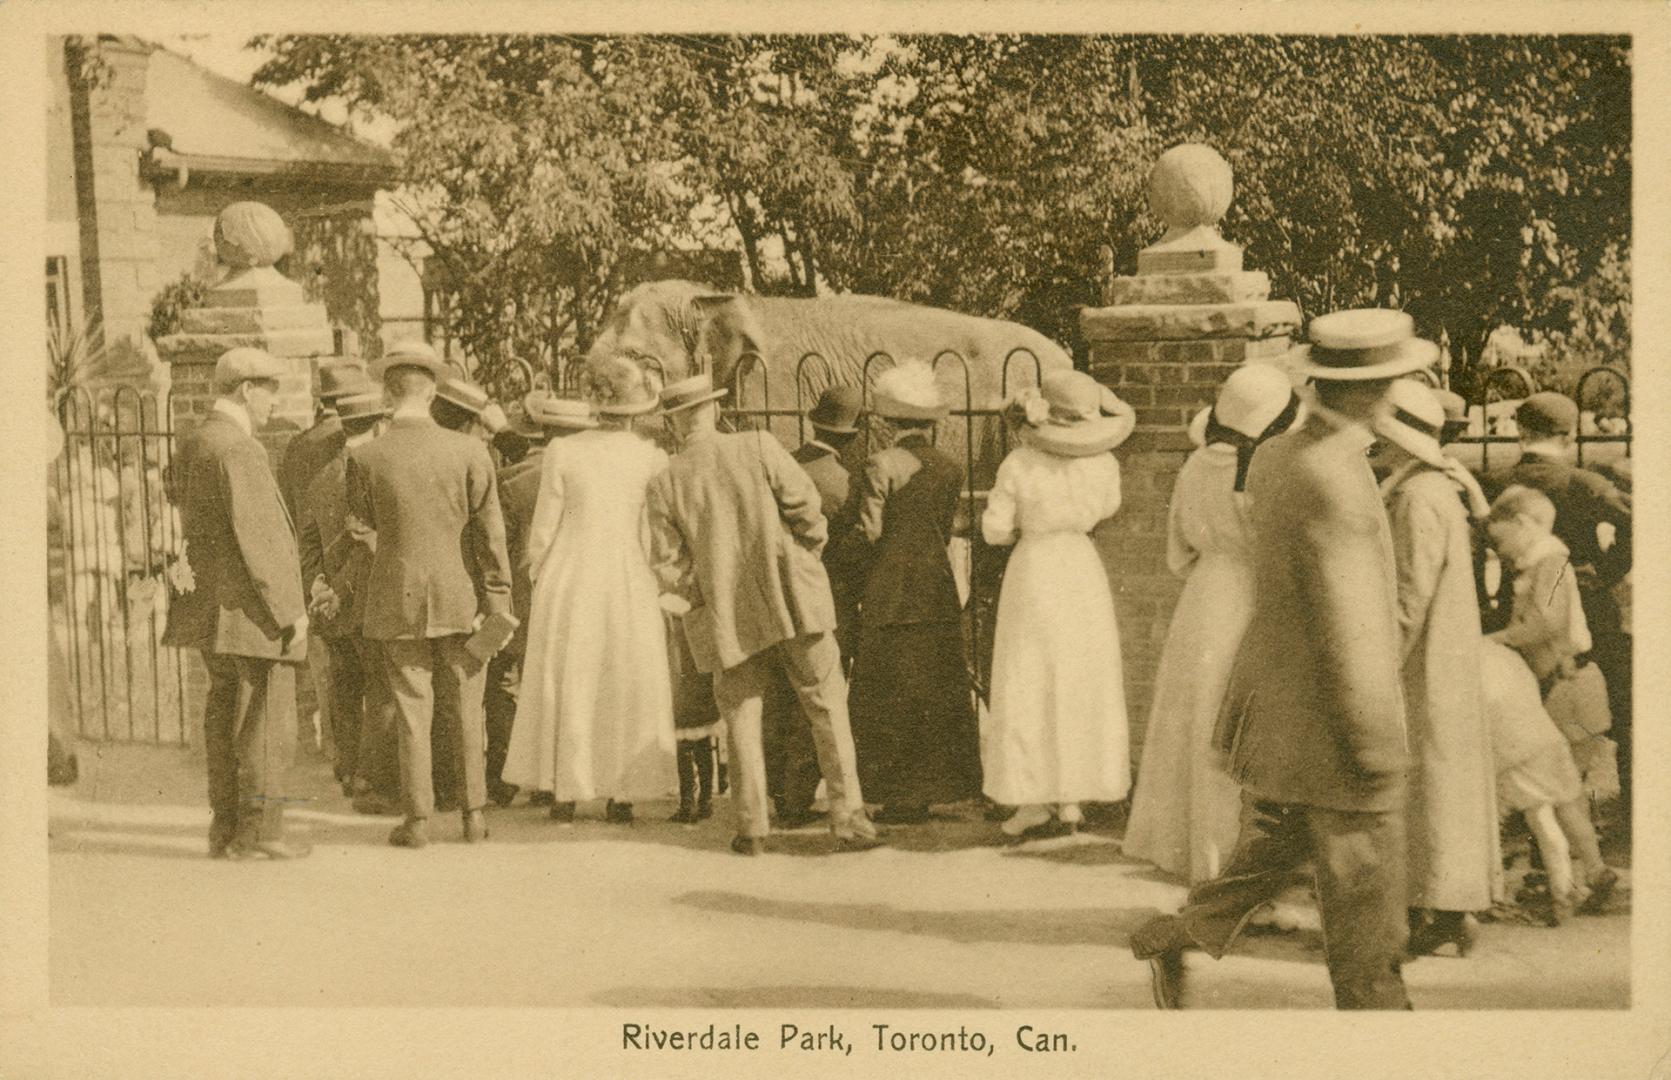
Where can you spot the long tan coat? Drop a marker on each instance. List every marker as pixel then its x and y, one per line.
pixel 1314 714
pixel 1451 820
pixel 737 531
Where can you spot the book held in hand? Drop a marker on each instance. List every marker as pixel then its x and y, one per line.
pixel 491 636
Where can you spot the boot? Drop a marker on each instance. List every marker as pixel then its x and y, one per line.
pixel 686 814
pixel 702 761
pixel 411 833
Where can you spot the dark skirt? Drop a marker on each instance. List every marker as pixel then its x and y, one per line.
pixel 914 730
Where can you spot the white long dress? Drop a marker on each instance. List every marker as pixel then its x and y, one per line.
pixel 594 715
pixel 1185 810
pixel 1056 732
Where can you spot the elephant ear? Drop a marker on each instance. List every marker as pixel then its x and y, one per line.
pixel 729 337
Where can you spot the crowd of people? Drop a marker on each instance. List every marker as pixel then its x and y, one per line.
pixel 1360 675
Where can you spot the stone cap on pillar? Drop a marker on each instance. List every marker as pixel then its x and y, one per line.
pixel 1190 189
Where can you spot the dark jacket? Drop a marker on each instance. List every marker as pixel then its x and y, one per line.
pixel 330 548
pixel 908 501
pixel 304 456
pixel 1314 714
pixel 846 553
pixel 240 547
pixel 519 489
pixel 431 496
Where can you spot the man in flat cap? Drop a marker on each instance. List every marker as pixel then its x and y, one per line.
pixel 440 567
pixel 242 607
pixel 1313 721
pixel 1584 501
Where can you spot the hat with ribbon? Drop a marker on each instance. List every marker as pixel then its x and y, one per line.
pixel 244 364
pixel 412 354
pixel 1070 414
pixel 342 378
pixel 838 410
pixel 907 391
pixel 465 394
pixel 620 386
pixel 542 411
pixel 1256 402
pixel 1362 344
pixel 365 404
pixel 687 393
pixel 1414 420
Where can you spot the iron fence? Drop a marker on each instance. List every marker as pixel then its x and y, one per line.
pixel 1509 384
pixel 112 535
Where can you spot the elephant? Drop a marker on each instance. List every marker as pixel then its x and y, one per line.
pixel 755 345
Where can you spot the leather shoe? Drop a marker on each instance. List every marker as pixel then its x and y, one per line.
pixel 749 845
pixel 562 811
pixel 502 793
pixel 221 832
pixel 475 827
pixel 1162 942
pixel 541 798
pixel 618 813
pixel 411 833
pixel 1601 890
pixel 242 850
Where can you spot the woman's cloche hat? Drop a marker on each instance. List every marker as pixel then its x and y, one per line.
pixel 1364 343
pixel 907 391
pixel 619 386
pixel 1070 414
pixel 1413 421
pixel 687 393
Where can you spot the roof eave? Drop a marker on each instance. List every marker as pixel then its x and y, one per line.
pixel 176 166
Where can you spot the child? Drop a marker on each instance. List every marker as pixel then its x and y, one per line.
pixel 1546 627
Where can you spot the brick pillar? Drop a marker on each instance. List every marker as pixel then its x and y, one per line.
pixel 116 207
pixel 255 306
pixel 1166 341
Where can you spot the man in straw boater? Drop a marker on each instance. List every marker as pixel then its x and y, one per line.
pixel 241 606
pixel 1313 721
pixel 440 568
pixel 736 533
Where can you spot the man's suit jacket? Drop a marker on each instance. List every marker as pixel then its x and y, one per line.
pixel 519 490
pixel 240 547
pixel 1315 710
pixel 907 504
pixel 431 497
pixel 304 456
pixel 736 530
pixel 330 548
pixel 846 555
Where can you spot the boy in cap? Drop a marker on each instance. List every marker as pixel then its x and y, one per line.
pixel 243 607
pixel 430 495
pixel 1583 500
pixel 1313 721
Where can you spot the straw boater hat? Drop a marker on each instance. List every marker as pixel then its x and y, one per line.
pixel 542 411
pixel 690 392
pixel 1364 343
pixel 342 378
pixel 618 386
pixel 1414 421
pixel 411 354
pixel 907 392
pixel 465 394
pixel 367 403
pixel 1070 414
pixel 838 410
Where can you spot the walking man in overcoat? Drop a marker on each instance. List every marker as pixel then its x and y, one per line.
pixel 431 497
pixel 736 533
pixel 241 607
pixel 1313 721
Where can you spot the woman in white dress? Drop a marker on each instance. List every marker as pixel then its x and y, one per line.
pixel 1056 735
pixel 1185 809
pixel 594 717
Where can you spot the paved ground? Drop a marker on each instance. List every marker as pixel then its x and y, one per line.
pixel 660 915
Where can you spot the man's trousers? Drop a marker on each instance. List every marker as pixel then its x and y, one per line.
pixel 435 681
pixel 249 737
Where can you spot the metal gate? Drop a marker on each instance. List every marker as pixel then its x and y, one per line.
pixel 983 565
pixel 111 535
pixel 1508 385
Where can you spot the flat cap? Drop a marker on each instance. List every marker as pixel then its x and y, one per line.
pixel 243 363
pixel 1547 413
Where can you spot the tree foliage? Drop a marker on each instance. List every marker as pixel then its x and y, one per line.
pixel 1473 181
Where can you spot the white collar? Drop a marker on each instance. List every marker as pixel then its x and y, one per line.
pixel 236 413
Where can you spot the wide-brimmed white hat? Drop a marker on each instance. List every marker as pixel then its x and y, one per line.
pixel 1070 414
pixel 542 410
pixel 688 393
pixel 1413 421
pixel 908 391
pixel 1362 344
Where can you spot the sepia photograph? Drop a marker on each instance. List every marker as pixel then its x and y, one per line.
pixel 870 551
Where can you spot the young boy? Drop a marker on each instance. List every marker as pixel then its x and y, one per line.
pixel 1546 627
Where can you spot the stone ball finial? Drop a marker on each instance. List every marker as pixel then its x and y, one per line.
pixel 1190 186
pixel 251 234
